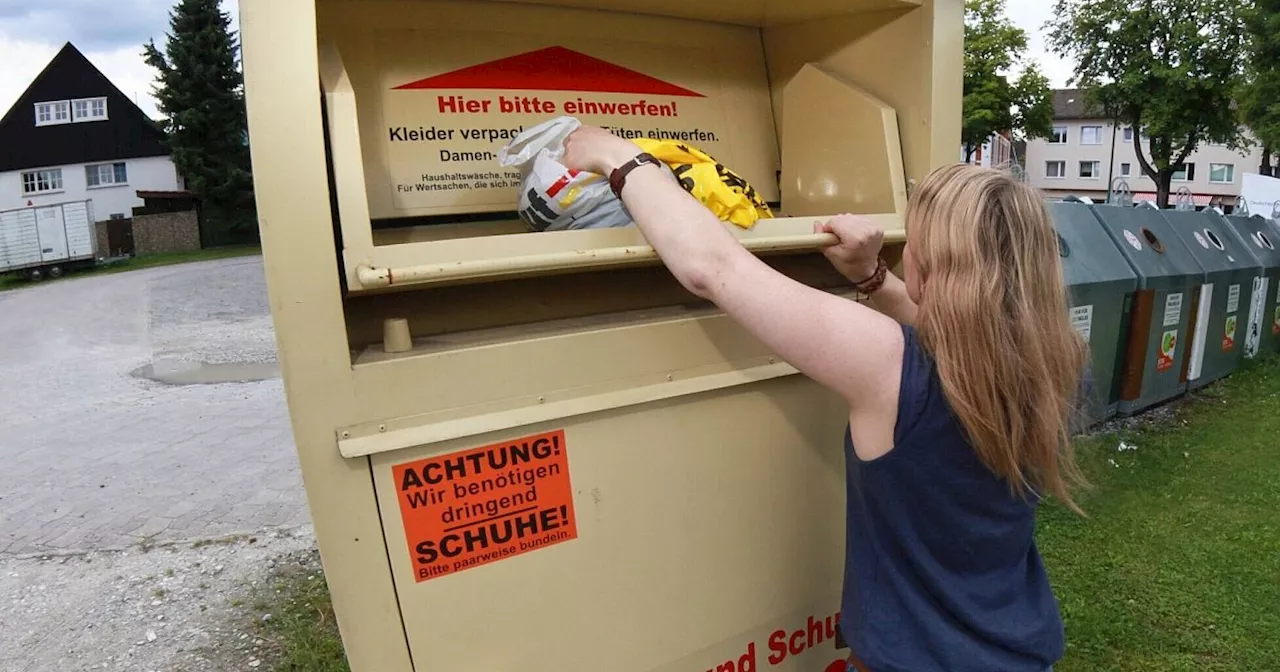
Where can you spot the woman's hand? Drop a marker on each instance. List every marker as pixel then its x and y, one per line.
pixel 858 251
pixel 595 150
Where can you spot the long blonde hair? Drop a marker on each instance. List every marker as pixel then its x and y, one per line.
pixel 994 316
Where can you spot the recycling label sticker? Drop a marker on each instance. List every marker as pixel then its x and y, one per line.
pixel 1082 321
pixel 1168 346
pixel 1173 309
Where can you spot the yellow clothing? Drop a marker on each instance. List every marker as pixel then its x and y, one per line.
pixel 717 187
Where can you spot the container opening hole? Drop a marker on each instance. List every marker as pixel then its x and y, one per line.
pixel 1264 241
pixel 1064 250
pixel 1214 239
pixel 1152 240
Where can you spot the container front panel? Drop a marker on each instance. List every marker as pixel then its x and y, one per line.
pixel 1166 343
pixel 1098 312
pixel 1263 326
pixel 441 87
pixel 1264 317
pixel 677 535
pixel 1218 344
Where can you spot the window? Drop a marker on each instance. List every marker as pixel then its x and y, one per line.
pixel 1089 170
pixel 1091 135
pixel 90 109
pixel 41 181
pixel 1222 173
pixel 1126 169
pixel 56 112
pixel 1128 134
pixel 105 174
pixel 1055 169
pixel 1059 136
pixel 1185 173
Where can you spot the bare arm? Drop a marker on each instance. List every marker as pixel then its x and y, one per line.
pixel 845 346
pixel 892 300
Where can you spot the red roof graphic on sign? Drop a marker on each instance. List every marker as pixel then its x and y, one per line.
pixel 551 69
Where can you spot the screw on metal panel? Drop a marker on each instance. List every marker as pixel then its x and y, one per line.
pixel 772 360
pixel 382 428
pixel 346 435
pixel 670 377
pixel 541 399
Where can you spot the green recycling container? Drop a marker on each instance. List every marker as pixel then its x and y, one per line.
pixel 1222 306
pixel 1102 286
pixel 1262 331
pixel 1160 317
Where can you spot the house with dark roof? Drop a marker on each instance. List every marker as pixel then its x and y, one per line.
pixel 1086 152
pixel 74 136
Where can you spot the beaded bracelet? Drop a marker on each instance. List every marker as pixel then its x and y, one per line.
pixel 876 281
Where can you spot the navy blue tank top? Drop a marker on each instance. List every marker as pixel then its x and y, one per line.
pixel 942 573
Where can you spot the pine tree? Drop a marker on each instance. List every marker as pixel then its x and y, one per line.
pixel 200 89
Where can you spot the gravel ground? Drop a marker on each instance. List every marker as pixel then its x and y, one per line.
pixel 179 608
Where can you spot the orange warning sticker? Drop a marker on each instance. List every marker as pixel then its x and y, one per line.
pixel 481 505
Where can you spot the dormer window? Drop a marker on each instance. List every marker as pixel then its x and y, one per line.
pixel 90 109
pixel 71 111
pixel 56 112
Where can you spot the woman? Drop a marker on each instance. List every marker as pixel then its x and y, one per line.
pixel 959 394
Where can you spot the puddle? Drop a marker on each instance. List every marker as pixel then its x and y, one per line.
pixel 180 372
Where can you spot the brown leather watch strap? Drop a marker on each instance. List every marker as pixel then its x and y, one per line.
pixel 618 178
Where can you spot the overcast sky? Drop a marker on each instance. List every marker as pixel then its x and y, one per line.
pixel 111 34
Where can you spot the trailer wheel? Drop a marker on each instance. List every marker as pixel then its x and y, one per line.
pixel 55 271
pixel 35 275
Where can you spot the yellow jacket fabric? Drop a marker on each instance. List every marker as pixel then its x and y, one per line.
pixel 720 189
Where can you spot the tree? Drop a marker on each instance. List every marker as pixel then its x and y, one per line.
pixel 1260 96
pixel 200 90
pixel 1167 68
pixel 993 46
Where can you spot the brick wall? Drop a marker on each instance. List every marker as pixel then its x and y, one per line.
pixel 166 232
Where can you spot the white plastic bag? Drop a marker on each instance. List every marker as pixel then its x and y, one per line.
pixel 553 198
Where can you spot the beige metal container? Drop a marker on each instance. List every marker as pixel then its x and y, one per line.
pixel 561 460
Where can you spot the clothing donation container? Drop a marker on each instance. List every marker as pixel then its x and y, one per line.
pixel 533 450
pixel 1262 333
pixel 1160 320
pixel 1222 305
pixel 1102 286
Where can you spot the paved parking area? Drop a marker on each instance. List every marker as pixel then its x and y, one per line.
pixel 94 455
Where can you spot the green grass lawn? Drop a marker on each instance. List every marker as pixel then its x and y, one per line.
pixel 14 281
pixel 1177 566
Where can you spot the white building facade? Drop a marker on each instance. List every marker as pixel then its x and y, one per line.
pixel 1086 154
pixel 73 136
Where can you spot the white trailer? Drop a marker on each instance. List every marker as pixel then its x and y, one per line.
pixel 47 240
